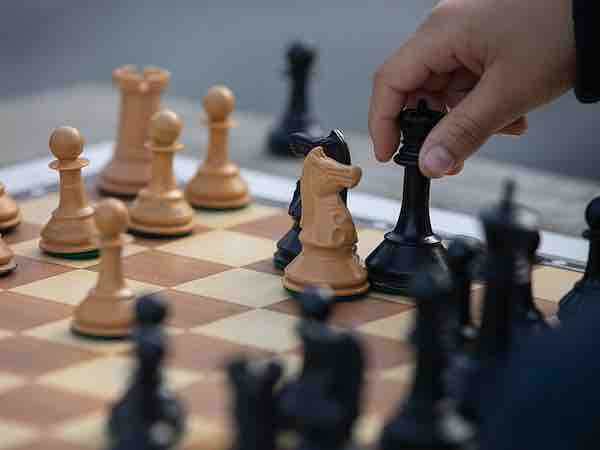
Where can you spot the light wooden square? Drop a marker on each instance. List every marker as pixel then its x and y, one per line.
pixel 9 381
pixel 204 433
pixel 39 210
pixel 261 328
pixel 396 327
pixel 241 286
pixel 13 435
pixel 32 250
pixel 223 247
pixel 368 240
pixel 114 373
pixel 87 431
pixel 550 283
pixel 227 219
pixel 401 374
pixel 72 287
pixel 5 333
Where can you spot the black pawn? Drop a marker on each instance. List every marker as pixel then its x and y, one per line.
pixel 412 244
pixel 424 418
pixel 298 116
pixel 316 303
pixel 335 147
pixel 254 406
pixel 148 413
pixel 585 295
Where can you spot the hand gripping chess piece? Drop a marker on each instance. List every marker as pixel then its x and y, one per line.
pixel 107 311
pixel 148 415
pixel 71 231
pixel 10 216
pixel 298 117
pixel 328 257
pixel 584 298
pixel 218 184
pixel 334 145
pixel 412 243
pixel 161 209
pixel 129 170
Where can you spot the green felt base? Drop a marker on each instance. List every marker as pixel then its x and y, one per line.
pixel 93 337
pixel 350 298
pixel 92 254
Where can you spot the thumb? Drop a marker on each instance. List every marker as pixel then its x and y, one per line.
pixel 466 128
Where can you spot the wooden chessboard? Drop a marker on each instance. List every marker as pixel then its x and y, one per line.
pixel 225 298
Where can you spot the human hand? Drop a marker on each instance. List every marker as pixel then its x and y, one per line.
pixel 489 61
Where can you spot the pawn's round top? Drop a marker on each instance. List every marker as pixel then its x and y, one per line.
pixel 592 214
pixel 462 250
pixel 112 217
pixel 430 284
pixel 150 310
pixel 219 103
pixel 316 303
pixel 301 54
pixel 165 128
pixel 66 143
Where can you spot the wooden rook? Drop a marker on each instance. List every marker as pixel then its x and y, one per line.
pixel 10 216
pixel 108 310
pixel 130 168
pixel 328 257
pixel 218 184
pixel 71 230
pixel 161 208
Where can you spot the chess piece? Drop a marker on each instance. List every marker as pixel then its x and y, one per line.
pixel 586 292
pixel 107 311
pixel 298 116
pixel 161 209
pixel 425 420
pixel 412 244
pixel 10 216
pixel 316 303
pixel 335 147
pixel 7 260
pixel 130 168
pixel 328 257
pixel 255 410
pixel 217 183
pixel 71 231
pixel 148 412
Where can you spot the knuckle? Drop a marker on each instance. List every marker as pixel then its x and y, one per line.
pixel 464 130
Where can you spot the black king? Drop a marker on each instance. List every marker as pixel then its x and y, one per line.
pixel 412 244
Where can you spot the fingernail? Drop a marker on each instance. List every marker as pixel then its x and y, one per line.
pixel 438 161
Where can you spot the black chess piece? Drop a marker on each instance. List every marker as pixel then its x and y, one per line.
pixel 335 147
pixel 585 295
pixel 412 244
pixel 316 303
pixel 148 412
pixel 298 116
pixel 423 420
pixel 254 408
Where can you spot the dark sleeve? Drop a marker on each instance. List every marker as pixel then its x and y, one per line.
pixel 586 15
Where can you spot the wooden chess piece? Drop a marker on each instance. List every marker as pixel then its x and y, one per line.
pixel 71 230
pixel 161 208
pixel 10 216
pixel 130 168
pixel 218 184
pixel 107 311
pixel 7 260
pixel 328 257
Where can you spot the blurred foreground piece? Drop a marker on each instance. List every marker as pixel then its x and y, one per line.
pixel 328 257
pixel 10 216
pixel 160 208
pixel 298 116
pixel 107 311
pixel 129 170
pixel 585 294
pixel 218 183
pixel 254 404
pixel 335 147
pixel 425 420
pixel 412 244
pixel 148 414
pixel 71 230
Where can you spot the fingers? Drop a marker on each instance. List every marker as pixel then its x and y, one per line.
pixel 466 127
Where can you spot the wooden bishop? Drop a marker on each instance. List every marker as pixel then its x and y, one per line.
pixel 328 257
pixel 71 230
pixel 161 209
pixel 218 184
pixel 108 310
pixel 129 170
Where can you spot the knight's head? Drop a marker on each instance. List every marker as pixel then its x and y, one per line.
pixel 323 175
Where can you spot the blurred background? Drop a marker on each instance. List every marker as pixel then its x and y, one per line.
pixel 48 45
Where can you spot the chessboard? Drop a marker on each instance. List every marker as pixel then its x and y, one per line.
pixel 225 298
